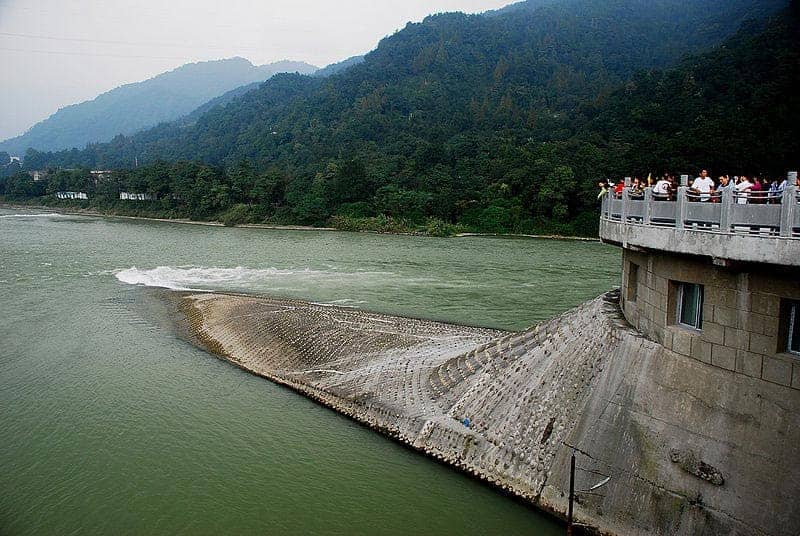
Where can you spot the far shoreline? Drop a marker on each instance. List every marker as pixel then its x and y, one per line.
pixel 268 226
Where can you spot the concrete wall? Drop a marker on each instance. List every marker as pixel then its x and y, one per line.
pixel 742 317
pixel 739 247
pixel 692 449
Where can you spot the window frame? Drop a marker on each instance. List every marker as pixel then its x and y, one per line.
pixel 793 317
pixel 698 321
pixel 632 294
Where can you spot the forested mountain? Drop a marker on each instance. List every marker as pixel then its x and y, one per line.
pixel 735 109
pixel 133 107
pixel 336 68
pixel 500 122
pixel 227 97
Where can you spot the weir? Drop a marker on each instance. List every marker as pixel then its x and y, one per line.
pixel 696 438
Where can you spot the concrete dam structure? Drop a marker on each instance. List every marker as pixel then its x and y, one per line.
pixel 684 387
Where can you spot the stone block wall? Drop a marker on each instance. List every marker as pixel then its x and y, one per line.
pixel 743 312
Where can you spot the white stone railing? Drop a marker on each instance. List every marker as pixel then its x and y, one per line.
pixel 725 212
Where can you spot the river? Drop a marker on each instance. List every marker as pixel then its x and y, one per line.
pixel 112 424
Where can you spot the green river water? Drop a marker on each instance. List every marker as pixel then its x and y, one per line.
pixel 111 424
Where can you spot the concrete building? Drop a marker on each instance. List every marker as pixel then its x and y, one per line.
pixel 715 281
pixel 136 196
pixel 72 195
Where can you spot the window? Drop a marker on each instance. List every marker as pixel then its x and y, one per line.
pixel 633 282
pixel 689 307
pixel 793 340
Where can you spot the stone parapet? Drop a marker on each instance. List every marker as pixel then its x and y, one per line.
pixel 727 231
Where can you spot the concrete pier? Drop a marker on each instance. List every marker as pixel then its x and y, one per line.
pixel 690 449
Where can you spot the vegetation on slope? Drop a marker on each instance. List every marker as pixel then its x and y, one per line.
pixel 498 123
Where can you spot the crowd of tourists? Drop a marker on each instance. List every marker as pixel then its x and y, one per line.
pixel 703 188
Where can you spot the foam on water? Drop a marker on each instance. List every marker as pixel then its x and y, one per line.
pixel 37 215
pixel 207 278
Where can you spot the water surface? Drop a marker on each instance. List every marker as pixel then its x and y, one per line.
pixel 111 424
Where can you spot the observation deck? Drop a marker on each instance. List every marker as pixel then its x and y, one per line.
pixel 728 226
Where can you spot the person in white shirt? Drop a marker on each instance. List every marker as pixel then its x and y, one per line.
pixel 702 187
pixel 661 189
pixel 742 188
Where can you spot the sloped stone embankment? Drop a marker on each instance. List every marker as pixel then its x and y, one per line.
pixel 691 449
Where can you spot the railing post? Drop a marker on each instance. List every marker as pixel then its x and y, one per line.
pixel 725 211
pixel 605 206
pixel 788 206
pixel 648 205
pixel 625 206
pixel 684 180
pixel 680 209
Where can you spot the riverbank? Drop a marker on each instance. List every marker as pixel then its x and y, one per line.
pixel 92 212
pixel 509 409
pixel 185 221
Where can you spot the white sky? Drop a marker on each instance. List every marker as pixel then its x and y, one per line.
pixel 59 52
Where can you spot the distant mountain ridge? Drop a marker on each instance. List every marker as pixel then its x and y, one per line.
pixel 137 106
pixel 499 122
pixel 525 67
pixel 336 68
pixel 225 98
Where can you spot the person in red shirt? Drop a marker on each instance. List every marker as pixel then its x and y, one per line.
pixel 756 195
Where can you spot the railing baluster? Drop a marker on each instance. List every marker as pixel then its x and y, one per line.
pixel 726 211
pixel 627 210
pixel 788 206
pixel 625 206
pixel 680 209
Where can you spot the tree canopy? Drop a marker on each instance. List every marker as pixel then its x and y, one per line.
pixel 500 122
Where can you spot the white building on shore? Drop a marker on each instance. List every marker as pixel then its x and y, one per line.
pixel 72 195
pixel 134 196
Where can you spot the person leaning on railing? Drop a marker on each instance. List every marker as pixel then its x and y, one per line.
pixel 673 187
pixel 757 193
pixel 774 192
pixel 603 185
pixel 724 185
pixel 661 191
pixel 637 188
pixel 743 189
pixel 619 187
pixel 783 184
pixel 701 188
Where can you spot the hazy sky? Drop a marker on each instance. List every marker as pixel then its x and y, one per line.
pixel 59 52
